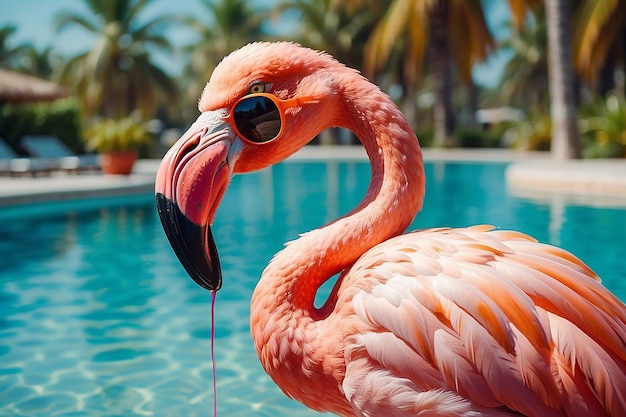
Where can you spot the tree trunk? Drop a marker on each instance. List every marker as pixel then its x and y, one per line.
pixel 565 140
pixel 439 51
pixel 472 104
pixel 606 75
pixel 623 54
pixel 409 104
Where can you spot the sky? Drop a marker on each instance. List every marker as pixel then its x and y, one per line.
pixel 34 20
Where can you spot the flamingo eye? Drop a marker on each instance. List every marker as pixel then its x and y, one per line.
pixel 257 87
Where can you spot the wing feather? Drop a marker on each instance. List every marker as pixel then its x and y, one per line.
pixel 498 367
pixel 560 298
pixel 602 372
pixel 485 313
pixel 571 276
pixel 578 398
pixel 459 372
pixel 383 307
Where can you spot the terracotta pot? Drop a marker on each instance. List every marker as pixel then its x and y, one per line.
pixel 119 163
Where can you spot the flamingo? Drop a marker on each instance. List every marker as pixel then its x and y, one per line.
pixel 472 321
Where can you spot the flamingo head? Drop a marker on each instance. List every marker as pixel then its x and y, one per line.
pixel 262 103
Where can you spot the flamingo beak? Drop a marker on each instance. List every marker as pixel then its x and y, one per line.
pixel 190 183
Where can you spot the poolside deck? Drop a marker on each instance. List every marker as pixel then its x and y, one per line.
pixel 531 174
pixel 62 186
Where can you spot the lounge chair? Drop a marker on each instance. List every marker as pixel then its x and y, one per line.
pixel 62 157
pixel 13 164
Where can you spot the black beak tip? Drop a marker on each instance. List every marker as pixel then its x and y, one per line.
pixel 193 244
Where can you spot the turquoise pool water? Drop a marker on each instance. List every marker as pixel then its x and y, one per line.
pixel 98 318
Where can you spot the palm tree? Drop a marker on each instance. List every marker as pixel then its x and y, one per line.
pixel 341 29
pixel 25 57
pixel 11 57
pixel 599 33
pixel 117 75
pixel 565 140
pixel 441 29
pixel 233 24
pixel 525 78
pixel 41 63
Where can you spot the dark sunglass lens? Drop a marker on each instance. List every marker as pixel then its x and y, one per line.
pixel 257 119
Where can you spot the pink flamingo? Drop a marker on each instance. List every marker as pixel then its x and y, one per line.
pixel 444 322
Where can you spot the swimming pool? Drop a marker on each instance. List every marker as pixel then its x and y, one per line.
pixel 98 318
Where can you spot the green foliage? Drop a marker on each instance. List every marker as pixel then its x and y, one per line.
pixel 524 82
pixel 60 119
pixel 534 134
pixel 603 128
pixel 464 137
pixel 477 138
pixel 117 135
pixel 425 137
pixel 594 148
pixel 338 28
pixel 117 74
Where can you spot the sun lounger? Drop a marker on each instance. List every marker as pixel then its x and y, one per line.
pixel 63 158
pixel 12 164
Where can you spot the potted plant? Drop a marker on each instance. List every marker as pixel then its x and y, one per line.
pixel 118 142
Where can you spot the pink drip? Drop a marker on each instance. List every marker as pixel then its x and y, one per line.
pixel 213 298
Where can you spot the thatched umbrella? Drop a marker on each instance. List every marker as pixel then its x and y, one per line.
pixel 22 88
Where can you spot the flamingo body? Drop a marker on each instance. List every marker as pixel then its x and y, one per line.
pixel 439 322
pixel 460 322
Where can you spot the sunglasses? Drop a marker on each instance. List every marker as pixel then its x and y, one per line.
pixel 260 117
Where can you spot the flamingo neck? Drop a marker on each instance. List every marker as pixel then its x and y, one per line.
pixel 284 298
pixel 392 200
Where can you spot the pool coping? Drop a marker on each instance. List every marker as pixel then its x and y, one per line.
pixel 63 187
pixel 531 174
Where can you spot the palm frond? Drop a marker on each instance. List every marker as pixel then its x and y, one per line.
pixel 470 38
pixel 597 25
pixel 68 19
pixel 388 31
